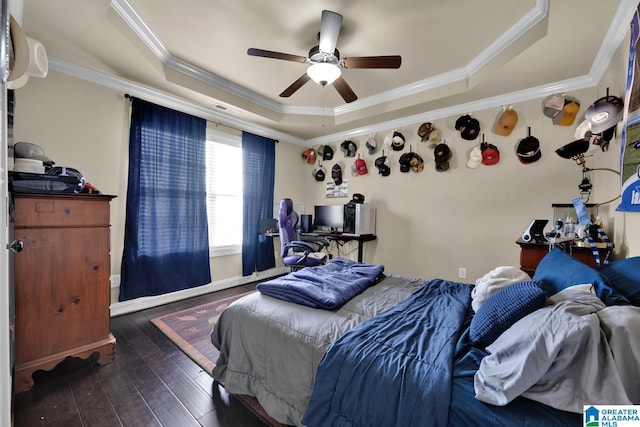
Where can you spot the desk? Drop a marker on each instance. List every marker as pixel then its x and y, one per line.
pixel 360 238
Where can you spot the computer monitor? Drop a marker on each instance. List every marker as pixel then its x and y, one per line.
pixel 328 217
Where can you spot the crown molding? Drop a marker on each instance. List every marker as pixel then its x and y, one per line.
pixel 137 24
pixel 618 30
pixel 133 19
pixel 526 23
pixel 521 27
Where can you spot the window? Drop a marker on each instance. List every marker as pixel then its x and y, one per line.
pixel 224 193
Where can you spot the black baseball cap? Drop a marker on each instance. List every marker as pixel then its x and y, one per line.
pixel 529 150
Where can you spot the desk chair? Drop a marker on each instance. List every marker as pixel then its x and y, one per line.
pixel 297 253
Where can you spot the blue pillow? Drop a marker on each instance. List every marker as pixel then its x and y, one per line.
pixel 503 309
pixel 624 276
pixel 559 270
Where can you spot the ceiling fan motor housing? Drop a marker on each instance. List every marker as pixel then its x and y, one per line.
pixel 316 55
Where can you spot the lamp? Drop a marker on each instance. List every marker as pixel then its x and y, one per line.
pixel 324 73
pixel 576 150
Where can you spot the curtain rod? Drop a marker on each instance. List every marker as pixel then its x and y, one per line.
pixel 130 98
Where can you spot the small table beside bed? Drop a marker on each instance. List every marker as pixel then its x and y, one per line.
pixel 358 346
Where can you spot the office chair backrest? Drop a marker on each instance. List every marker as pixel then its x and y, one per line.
pixel 288 221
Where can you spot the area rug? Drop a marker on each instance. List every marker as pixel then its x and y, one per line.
pixel 190 329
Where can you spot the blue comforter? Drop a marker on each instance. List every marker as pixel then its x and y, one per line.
pixel 394 369
pixel 327 286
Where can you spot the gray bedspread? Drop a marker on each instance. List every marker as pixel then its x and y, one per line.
pixel 271 348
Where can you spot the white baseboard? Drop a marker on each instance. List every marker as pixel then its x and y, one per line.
pixel 124 307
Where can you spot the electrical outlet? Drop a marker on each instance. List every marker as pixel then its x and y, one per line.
pixel 462 272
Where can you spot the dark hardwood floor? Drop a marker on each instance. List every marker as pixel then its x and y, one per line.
pixel 150 383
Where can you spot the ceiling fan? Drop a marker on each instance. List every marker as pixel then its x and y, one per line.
pixel 325 65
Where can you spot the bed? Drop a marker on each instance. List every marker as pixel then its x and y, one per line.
pixel 403 350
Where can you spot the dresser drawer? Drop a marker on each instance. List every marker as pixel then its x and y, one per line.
pixel 61 211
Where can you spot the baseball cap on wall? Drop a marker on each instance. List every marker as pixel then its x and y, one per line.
pixel 326 152
pixel 583 131
pixel 506 122
pixel 475 158
pixel 425 130
pixel 411 162
pixel 442 155
pixel 388 139
pixel 349 148
pixel 528 149
pixel 490 154
pixel 553 106
pixel 309 156
pixel 336 174
pixel 361 166
pixel 319 173
pixel 416 162
pixel 383 165
pixel 371 144
pixel 405 162
pixel 397 141
pixel 434 137
pixel 468 126
pixel 569 111
pixel 605 113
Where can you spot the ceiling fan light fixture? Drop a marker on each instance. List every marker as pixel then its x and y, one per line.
pixel 324 73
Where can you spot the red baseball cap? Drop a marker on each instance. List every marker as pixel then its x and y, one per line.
pixel 490 154
pixel 361 167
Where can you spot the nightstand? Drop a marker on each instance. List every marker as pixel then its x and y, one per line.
pixel 531 253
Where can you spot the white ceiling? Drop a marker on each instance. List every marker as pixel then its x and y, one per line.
pixel 456 55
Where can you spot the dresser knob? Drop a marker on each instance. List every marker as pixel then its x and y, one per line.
pixel 16 246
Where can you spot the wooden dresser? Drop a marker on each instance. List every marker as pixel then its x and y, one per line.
pixel 62 291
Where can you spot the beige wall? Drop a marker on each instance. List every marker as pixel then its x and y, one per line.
pixel 86 126
pixel 429 224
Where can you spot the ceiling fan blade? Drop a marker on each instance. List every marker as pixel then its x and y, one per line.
pixel 344 90
pixel 295 86
pixel 390 61
pixel 329 31
pixel 275 55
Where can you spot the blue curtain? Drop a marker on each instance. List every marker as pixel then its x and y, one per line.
pixel 166 245
pixel 258 170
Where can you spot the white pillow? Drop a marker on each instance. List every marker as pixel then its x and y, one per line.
pixel 493 281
